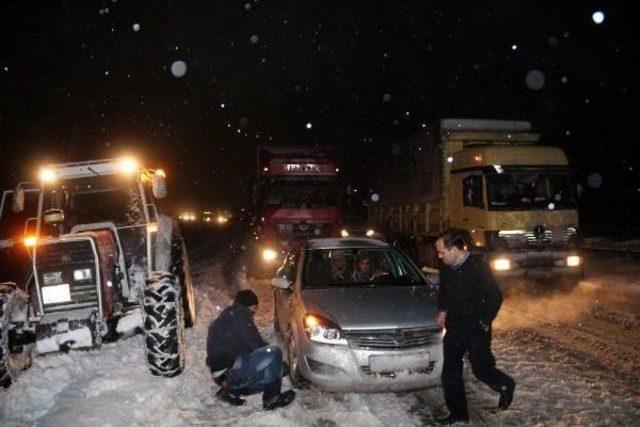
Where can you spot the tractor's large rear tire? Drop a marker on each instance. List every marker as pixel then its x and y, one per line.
pixel 181 268
pixel 163 324
pixel 14 305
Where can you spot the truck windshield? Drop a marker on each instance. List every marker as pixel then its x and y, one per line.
pixel 301 194
pixel 528 189
pixel 99 199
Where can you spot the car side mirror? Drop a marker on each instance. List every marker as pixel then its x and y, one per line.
pixel 159 185
pixel 281 282
pixel 17 204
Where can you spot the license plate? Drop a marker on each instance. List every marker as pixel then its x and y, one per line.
pixel 55 294
pixel 398 362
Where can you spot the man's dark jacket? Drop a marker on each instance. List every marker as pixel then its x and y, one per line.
pixel 469 294
pixel 233 333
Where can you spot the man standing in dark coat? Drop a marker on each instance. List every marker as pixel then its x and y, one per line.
pixel 241 362
pixel 468 301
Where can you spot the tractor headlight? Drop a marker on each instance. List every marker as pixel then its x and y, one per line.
pixel 82 274
pixel 52 278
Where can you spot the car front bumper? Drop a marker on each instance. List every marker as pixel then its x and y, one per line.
pixel 349 368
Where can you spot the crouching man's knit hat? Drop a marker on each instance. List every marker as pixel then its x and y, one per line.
pixel 247 298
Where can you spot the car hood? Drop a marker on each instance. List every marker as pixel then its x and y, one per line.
pixel 379 307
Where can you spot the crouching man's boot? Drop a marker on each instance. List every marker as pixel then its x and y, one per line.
pixel 279 400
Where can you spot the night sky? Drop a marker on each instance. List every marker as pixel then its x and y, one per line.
pixel 92 79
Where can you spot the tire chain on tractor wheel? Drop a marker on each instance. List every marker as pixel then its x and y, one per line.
pixel 163 325
pixel 10 367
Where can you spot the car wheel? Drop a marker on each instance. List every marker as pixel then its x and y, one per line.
pixel 297 380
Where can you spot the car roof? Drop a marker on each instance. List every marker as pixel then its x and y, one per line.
pixel 345 242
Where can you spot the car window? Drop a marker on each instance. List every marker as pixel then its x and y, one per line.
pixel 358 266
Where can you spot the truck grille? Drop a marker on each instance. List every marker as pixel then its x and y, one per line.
pixel 392 339
pixel 548 238
pixel 66 257
pixel 288 231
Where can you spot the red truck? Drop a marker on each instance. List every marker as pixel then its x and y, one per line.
pixel 295 198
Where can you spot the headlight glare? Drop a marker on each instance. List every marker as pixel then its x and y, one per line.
pixel 269 255
pixel 501 264
pixel 573 261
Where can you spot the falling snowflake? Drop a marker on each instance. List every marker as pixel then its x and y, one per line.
pixel 598 17
pixel 535 80
pixel 136 27
pixel 179 68
pixel 386 97
pixel 254 39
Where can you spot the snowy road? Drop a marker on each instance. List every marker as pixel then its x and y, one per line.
pixel 573 353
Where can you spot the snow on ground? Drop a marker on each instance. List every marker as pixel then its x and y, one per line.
pixel 113 387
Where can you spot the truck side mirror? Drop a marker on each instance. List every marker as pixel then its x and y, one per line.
pixel 17 204
pixel 159 185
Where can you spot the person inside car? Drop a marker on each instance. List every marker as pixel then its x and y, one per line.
pixel 365 270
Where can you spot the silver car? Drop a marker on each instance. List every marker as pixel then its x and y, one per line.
pixel 355 314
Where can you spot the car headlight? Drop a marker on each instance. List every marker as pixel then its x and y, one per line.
pixel 370 233
pixel 82 274
pixel 501 264
pixel 344 233
pixel 322 330
pixel 573 261
pixel 269 255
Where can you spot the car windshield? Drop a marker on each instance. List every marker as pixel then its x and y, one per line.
pixel 530 189
pixel 361 266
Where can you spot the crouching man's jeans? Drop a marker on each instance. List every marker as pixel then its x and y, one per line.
pixel 260 371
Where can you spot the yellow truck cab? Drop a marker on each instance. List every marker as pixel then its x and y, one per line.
pixel 513 197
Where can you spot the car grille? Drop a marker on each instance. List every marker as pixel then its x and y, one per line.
pixel 392 374
pixel 66 257
pixel 394 339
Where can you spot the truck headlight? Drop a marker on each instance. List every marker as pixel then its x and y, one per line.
pixel 573 261
pixel 501 264
pixel 82 274
pixel 269 255
pixel 322 330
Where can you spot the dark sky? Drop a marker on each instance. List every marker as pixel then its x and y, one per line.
pixel 92 79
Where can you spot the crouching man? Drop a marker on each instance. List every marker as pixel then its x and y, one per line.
pixel 241 362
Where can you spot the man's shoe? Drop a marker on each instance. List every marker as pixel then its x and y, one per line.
pixel 224 396
pixel 451 419
pixel 506 395
pixel 281 400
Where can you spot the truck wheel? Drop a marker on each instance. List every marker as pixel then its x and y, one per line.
pixel 163 323
pixel 14 358
pixel 181 268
